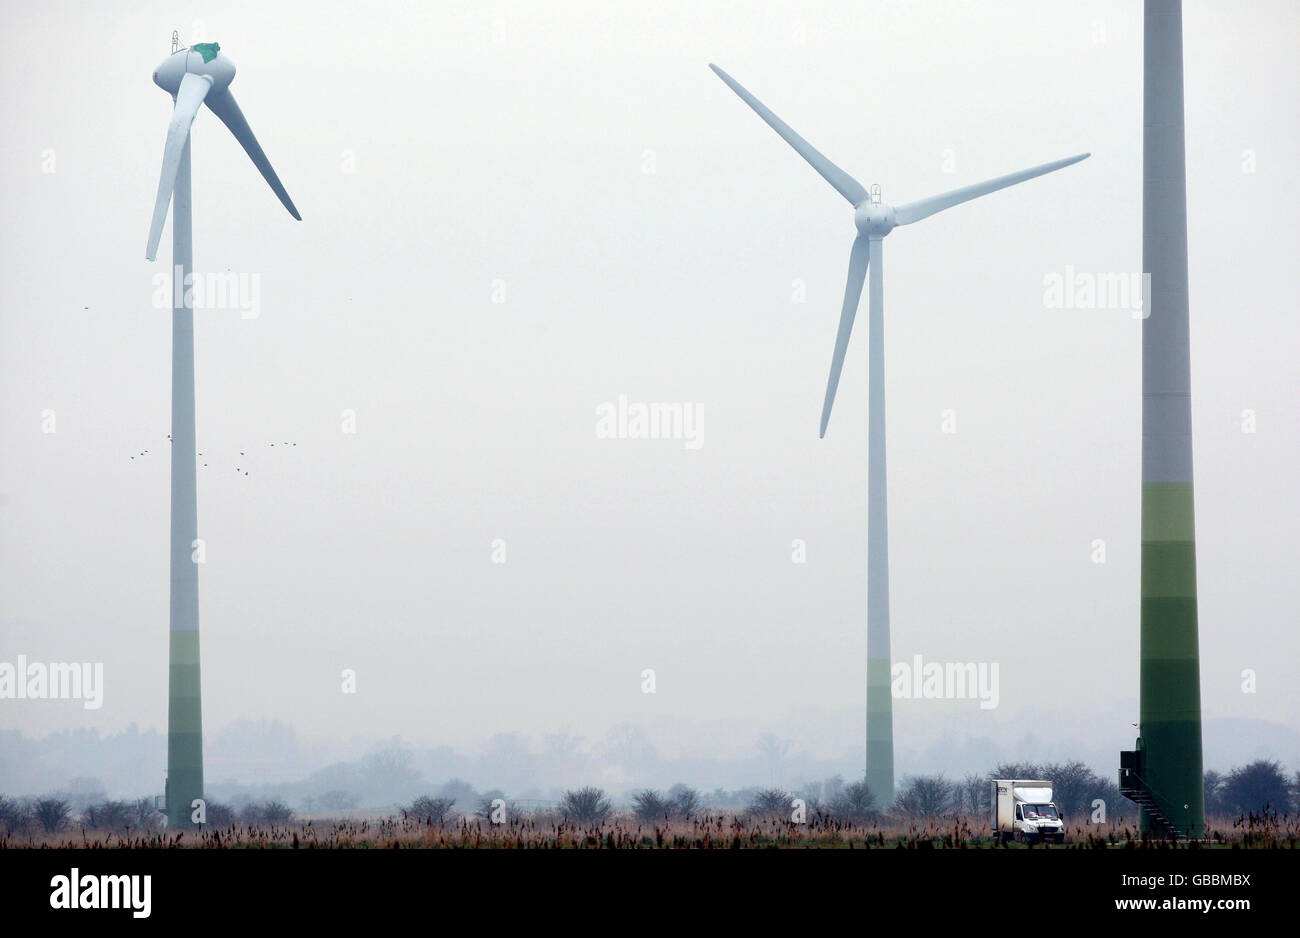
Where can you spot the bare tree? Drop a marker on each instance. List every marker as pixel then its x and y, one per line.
pixel 337 800
pixel 855 804
pixel 146 816
pixel 586 805
pixel 771 804
pixel 114 816
pixel 973 794
pixel 1018 770
pixel 221 816
pixel 926 796
pixel 12 816
pixel 267 813
pixel 51 813
pixel 685 801
pixel 649 805
pixel 429 810
pixel 1074 786
pixel 276 811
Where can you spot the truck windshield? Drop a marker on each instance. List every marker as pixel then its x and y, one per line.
pixel 1041 811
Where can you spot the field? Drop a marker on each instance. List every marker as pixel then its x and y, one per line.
pixel 709 832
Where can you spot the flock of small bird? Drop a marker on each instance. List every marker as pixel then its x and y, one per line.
pixel 238 469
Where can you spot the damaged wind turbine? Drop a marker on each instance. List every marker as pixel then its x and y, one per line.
pixel 193 77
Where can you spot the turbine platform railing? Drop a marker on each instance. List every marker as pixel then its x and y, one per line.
pixel 1133 787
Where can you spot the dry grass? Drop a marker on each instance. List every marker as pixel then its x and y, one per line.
pixel 715 832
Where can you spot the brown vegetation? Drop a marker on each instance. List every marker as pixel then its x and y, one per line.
pixel 708 832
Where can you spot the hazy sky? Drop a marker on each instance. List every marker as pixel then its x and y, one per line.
pixel 648 235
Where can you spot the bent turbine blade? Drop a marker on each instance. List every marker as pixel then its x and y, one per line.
pixel 858 259
pixel 924 208
pixel 845 184
pixel 222 103
pixel 189 96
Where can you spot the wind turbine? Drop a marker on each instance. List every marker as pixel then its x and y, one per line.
pixel 875 220
pixel 193 77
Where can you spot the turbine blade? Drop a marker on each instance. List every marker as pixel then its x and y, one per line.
pixel 924 208
pixel 222 103
pixel 189 96
pixel 858 258
pixel 845 184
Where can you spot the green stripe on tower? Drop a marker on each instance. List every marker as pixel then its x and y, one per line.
pixel 184 728
pixel 1167 509
pixel 1170 669
pixel 880 732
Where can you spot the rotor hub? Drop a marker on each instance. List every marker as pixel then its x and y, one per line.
pixel 874 219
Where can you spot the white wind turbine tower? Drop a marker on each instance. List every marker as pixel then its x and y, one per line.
pixel 875 220
pixel 193 77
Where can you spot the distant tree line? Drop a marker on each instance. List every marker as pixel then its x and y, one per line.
pixel 1250 789
pixel 1259 787
pixel 1076 790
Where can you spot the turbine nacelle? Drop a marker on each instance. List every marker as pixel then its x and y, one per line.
pixel 874 219
pixel 205 60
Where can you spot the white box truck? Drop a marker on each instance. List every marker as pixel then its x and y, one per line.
pixel 1021 809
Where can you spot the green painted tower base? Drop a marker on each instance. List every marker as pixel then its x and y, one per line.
pixel 184 730
pixel 880 733
pixel 1165 777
